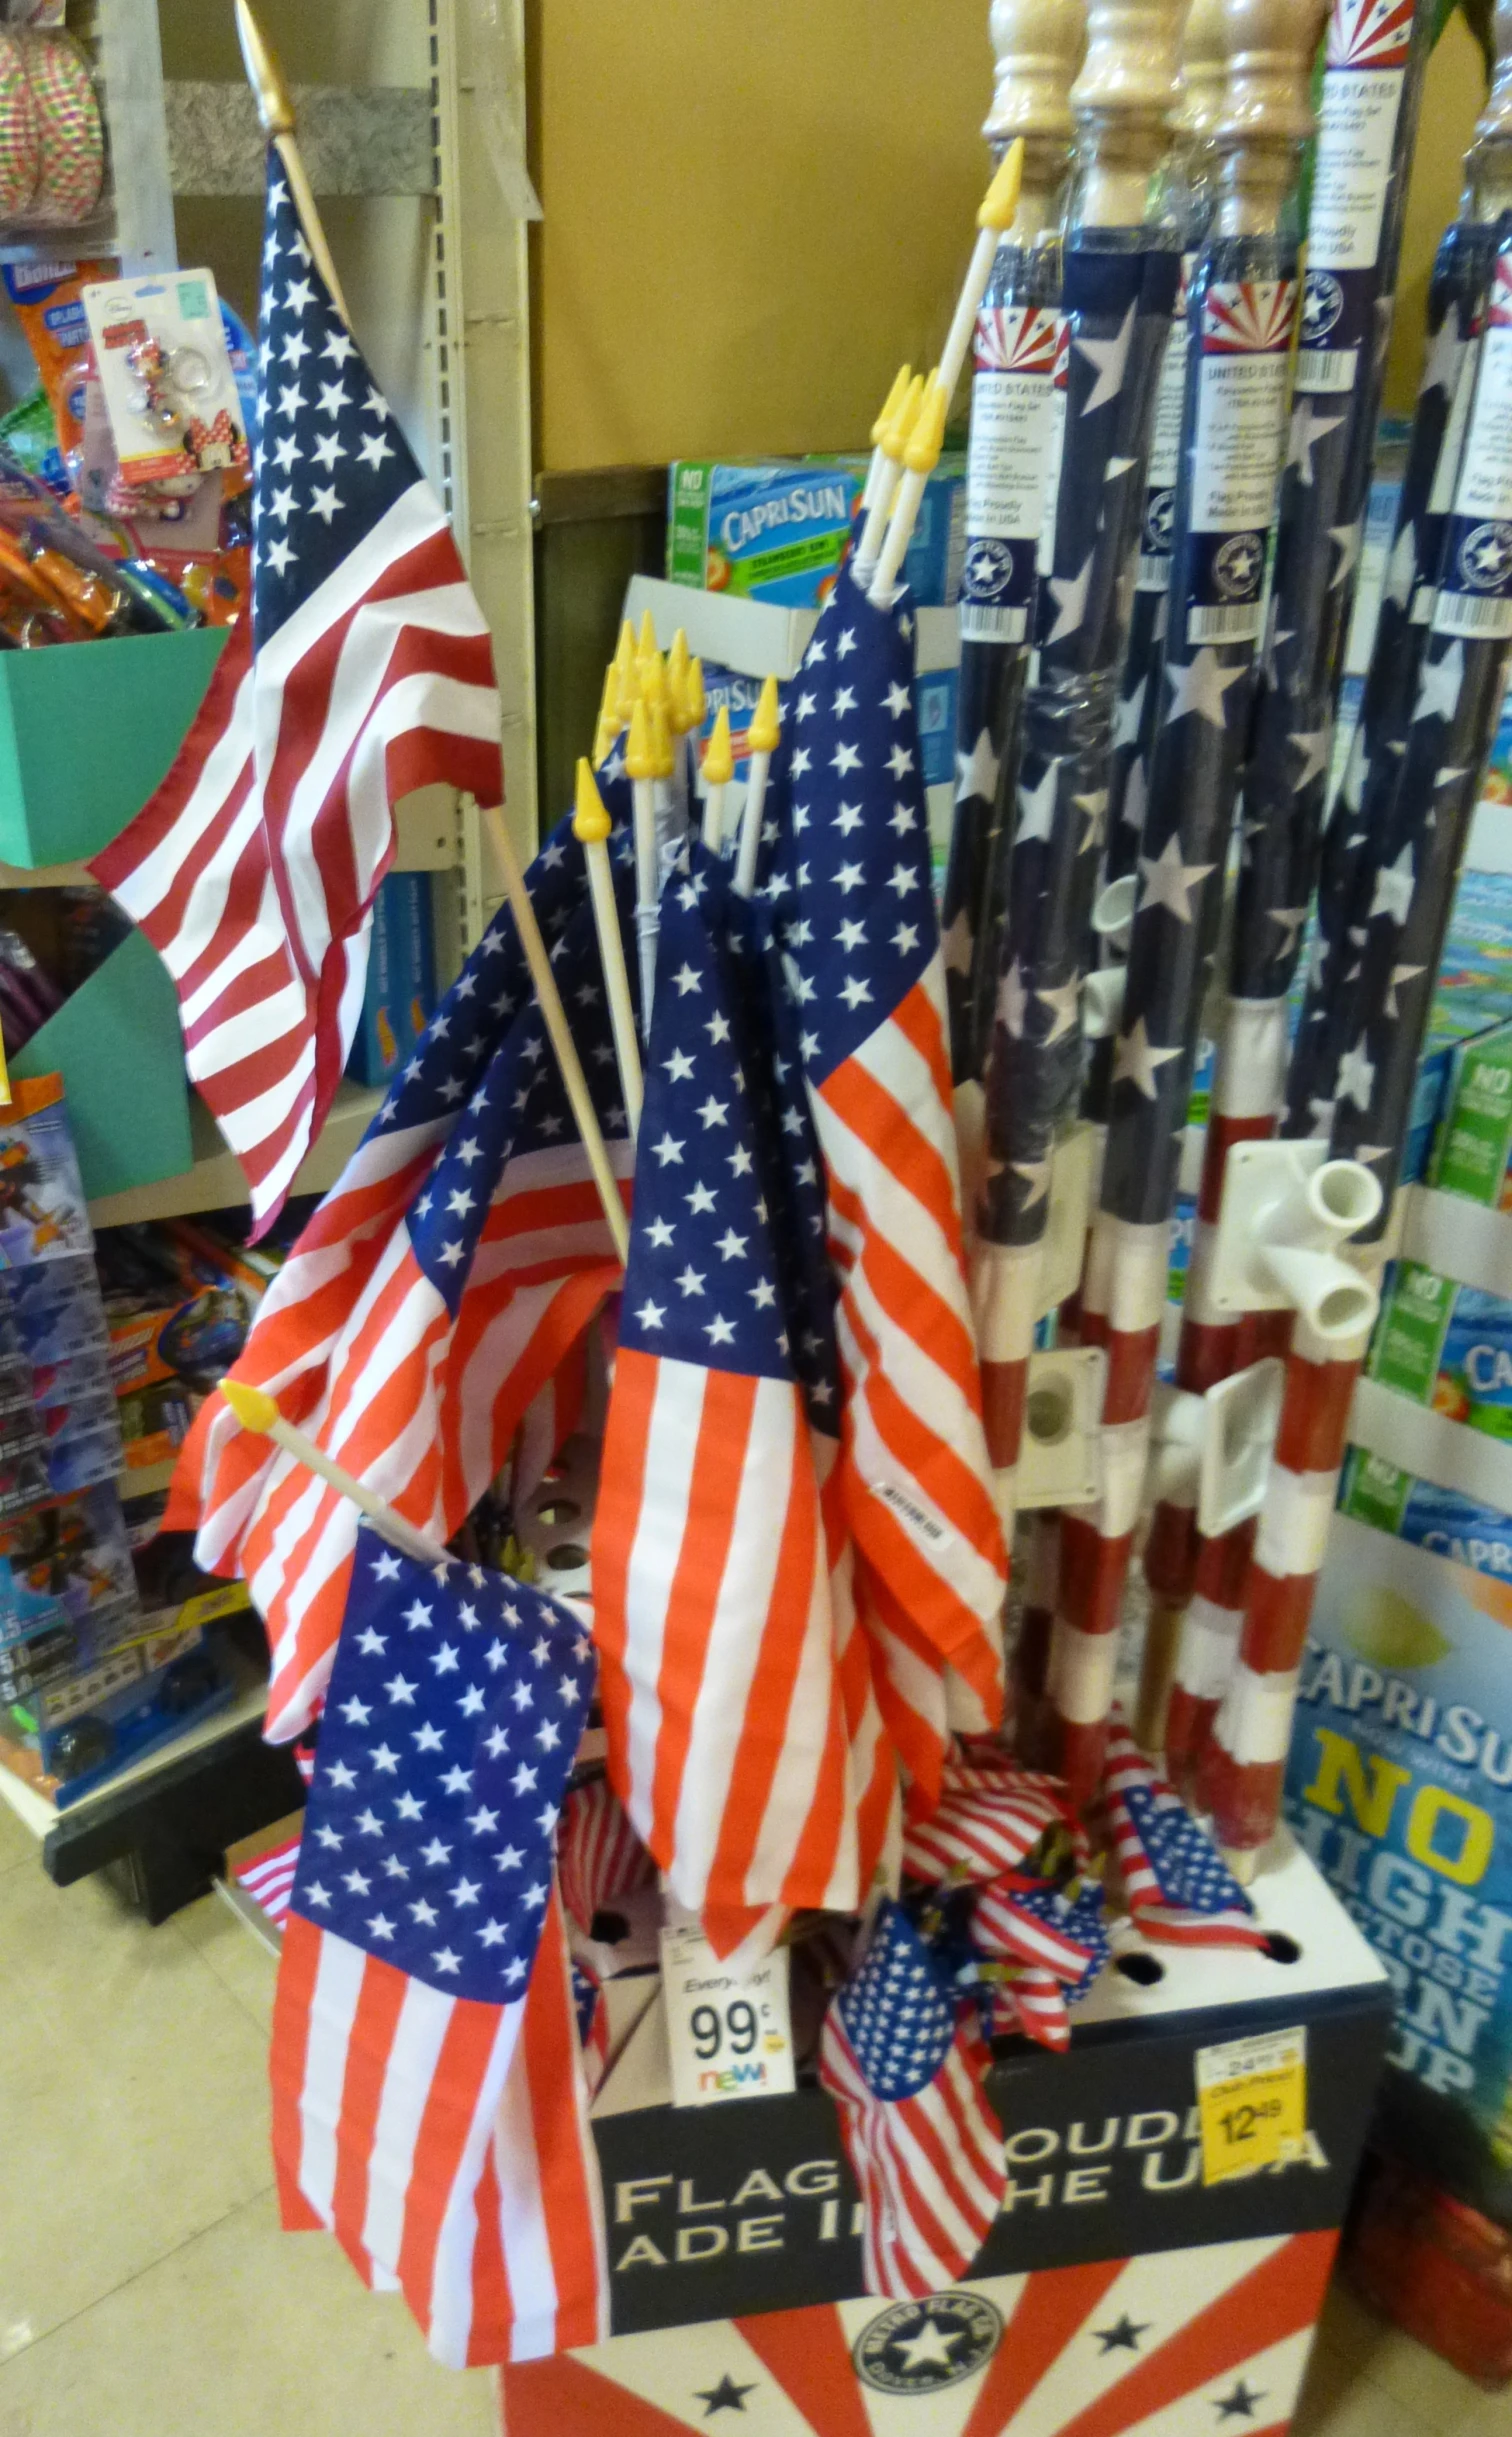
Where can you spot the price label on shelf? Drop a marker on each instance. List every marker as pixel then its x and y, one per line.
pixel 1251 2102
pixel 731 2033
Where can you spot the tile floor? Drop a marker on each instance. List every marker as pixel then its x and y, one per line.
pixel 145 2290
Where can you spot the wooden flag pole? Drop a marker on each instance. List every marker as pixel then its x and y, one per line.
pixel 766 736
pixel 275 108
pixel 591 826
pixel 556 1024
pixel 256 1410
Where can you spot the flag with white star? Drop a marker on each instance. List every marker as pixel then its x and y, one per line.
pixel 1375 48
pixel 908 2075
pixel 479 1290
pixel 727 1725
pixel 363 670
pixel 423 1894
pixel 850 885
pixel 1179 1890
pixel 1456 309
pixel 223 1469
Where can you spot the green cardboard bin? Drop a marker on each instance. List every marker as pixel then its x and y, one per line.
pixel 117 1044
pixel 88 731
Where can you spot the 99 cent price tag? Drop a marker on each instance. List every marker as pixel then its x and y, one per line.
pixel 1251 2102
pixel 730 2034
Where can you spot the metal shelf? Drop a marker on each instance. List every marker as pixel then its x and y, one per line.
pixel 216 1182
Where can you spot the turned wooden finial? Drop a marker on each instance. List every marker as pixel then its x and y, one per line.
pixel 1204 72
pixel 1121 101
pixel 1038 46
pixel 1268 48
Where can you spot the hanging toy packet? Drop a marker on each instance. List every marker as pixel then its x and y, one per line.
pixel 170 391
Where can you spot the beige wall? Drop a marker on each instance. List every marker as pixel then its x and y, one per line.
pixel 753 209
pixel 1452 95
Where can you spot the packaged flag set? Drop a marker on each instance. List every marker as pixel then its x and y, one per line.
pixel 695 1464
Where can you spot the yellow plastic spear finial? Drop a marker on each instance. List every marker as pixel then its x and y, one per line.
pixel 663 759
pixel 896 441
pixel 698 702
pixel 609 720
pixel 254 1408
pixel 719 753
pixel 639 758
pixel 766 727
pixel 590 822
pixel 626 672
pixel 927 438
pixel 646 647
pixel 1001 199
pixel 653 677
pixel 894 400
pixel 678 658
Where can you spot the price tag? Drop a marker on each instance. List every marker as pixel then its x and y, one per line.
pixel 731 2035
pixel 1251 2102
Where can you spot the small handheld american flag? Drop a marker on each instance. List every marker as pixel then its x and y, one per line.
pixel 1179 1890
pixel 425 1880
pixel 925 2146
pixel 364 670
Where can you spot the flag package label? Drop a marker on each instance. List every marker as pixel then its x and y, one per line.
pixel 165 370
pixel 1473 1146
pixel 779 531
pixel 1364 81
pixel 400 996
pixel 1241 393
pixel 1448 1346
pixel 1475 598
pixel 1445 1521
pixel 1013 406
pixel 1400 1786
pixel 729 2033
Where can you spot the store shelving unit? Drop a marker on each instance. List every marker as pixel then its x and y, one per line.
pixel 172 1814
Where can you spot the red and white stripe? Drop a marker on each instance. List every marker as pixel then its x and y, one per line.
pixel 599 1855
pixel 1123 1297
pixel 918 1484
pixel 1249 1089
pixel 986 1822
pixel 1207 1651
pixel 1002 1928
pixel 269 1880
pixel 1241 1774
pixel 422 1410
pixel 555 1416
pixel 1034 2001
pixel 931 2168
pixel 254 867
pixel 729 1739
pixel 1155 1910
pixel 1005 1281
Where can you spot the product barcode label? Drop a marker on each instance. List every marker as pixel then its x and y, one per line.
pixel 1460 613
pixel 1238 623
pixel 1321 369
pixel 980 624
pixel 1154 572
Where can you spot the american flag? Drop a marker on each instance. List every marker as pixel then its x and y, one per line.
pixel 1031 1922
pixel 269 1879
pixel 1178 1889
pixel 488 1279
pixel 727 1729
pixel 910 2085
pixel 852 888
pixel 987 1821
pixel 223 1470
pixel 425 1877
pixel 592 2011
pixel 364 671
pixel 599 1856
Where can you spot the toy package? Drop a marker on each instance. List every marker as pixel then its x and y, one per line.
pixel 169 390
pixel 400 994
pixel 1400 1787
pixel 179 1300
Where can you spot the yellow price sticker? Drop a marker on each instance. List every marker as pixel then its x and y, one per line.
pixel 1251 2103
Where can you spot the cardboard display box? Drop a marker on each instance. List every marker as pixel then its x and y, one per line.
pixel 1113 2278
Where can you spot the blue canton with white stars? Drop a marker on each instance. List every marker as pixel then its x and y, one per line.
pixel 851 881
pixel 702 1284
pixel 474 1017
pixel 1082 1919
pixel 896 2012
pixel 331 459
pixel 1188 1867
pixel 457 1703
pixel 517 1106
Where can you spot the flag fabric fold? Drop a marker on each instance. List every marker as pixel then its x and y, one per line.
pixel 909 2081
pixel 363 670
pixel 851 888
pixel 423 1889
pixel 728 1736
pixel 1179 1890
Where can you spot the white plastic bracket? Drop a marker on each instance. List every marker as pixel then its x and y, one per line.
pixel 1069 1216
pixel 1240 1418
pixel 1287 1211
pixel 1058 1457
